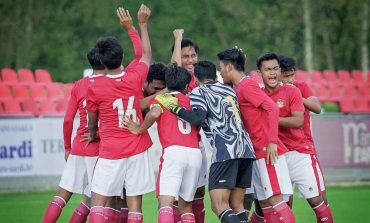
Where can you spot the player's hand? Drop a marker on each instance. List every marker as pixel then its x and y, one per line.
pixel 143 14
pixel 132 126
pixel 125 18
pixel 169 102
pixel 271 153
pixel 66 155
pixel 177 33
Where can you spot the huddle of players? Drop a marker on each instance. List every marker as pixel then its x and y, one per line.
pixel 260 138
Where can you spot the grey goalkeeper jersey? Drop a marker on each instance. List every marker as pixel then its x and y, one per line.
pixel 223 125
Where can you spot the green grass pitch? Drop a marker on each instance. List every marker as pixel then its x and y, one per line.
pixel 348 204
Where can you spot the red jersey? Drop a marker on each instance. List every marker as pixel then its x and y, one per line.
pixel 289 99
pixel 192 83
pixel 260 116
pixel 76 102
pixel 114 97
pixel 306 93
pixel 174 131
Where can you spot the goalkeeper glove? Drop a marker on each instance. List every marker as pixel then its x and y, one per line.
pixel 169 102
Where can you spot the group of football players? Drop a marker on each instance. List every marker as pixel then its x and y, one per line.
pixel 259 137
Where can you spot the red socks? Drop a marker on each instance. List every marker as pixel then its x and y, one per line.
pixel 188 218
pixel 54 209
pixel 135 217
pixel 176 214
pixel 124 215
pixel 97 215
pixel 255 218
pixel 323 213
pixel 198 210
pixel 285 213
pixel 80 214
pixel 165 215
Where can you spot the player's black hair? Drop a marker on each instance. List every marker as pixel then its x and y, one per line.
pixel 94 60
pixel 265 57
pixel 287 63
pixel 233 56
pixel 110 52
pixel 205 70
pixel 186 43
pixel 177 78
pixel 157 71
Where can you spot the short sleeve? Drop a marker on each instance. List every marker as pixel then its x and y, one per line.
pixel 251 91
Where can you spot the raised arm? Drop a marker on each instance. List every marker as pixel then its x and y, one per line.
pixel 176 54
pixel 127 24
pixel 143 17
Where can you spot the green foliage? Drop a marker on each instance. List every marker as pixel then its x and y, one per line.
pixel 57 34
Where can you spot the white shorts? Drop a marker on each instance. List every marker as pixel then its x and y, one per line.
pixel 202 180
pixel 179 172
pixel 77 174
pixel 305 173
pixel 269 180
pixel 134 173
pixel 249 190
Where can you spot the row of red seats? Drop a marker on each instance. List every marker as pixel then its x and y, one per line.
pixel 30 107
pixel 10 76
pixel 36 92
pixel 350 91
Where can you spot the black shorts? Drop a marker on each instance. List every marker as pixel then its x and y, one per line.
pixel 230 174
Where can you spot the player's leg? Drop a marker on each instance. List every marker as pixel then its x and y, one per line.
pixel 138 180
pixel 165 212
pixel 257 215
pixel 270 183
pixel 198 202
pixel 83 209
pixel 222 179
pixel 243 180
pixel 72 181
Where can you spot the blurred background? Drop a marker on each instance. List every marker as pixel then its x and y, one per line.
pixel 57 34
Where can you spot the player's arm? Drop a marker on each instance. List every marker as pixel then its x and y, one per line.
pixel 176 54
pixel 127 24
pixel 92 125
pixel 144 103
pixel 68 122
pixel 295 104
pixel 312 104
pixel 294 121
pixel 143 17
pixel 153 114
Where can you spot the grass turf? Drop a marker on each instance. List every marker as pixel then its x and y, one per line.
pixel 348 204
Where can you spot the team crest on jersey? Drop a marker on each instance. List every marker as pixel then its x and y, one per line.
pixel 310 189
pixel 280 103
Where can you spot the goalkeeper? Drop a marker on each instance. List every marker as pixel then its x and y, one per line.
pixel 215 108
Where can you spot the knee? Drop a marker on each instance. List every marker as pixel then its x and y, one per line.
pixel 315 201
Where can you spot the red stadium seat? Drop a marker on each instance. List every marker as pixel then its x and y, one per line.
pixel 26 76
pixel 43 76
pixel 316 76
pixel 344 75
pixel 12 107
pixel 330 76
pixel 322 92
pixel 38 92
pixel 20 92
pixel 67 90
pixel 364 90
pixel 5 93
pixel 351 91
pixel 48 108
pixel 358 76
pixel 61 105
pixel 54 91
pixel 347 105
pixel 301 75
pixel 30 106
pixel 9 76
